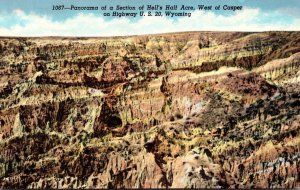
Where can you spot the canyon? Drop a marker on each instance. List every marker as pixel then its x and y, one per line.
pixel 177 110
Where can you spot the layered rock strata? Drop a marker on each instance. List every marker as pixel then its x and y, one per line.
pixel 182 110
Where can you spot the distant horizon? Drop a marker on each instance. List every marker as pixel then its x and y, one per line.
pixel 140 35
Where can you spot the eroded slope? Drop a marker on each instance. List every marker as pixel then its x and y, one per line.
pixel 175 110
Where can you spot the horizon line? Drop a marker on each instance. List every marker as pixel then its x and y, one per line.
pixel 150 34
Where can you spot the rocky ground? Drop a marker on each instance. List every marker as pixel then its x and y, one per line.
pixel 198 109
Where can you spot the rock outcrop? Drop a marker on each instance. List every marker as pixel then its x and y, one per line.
pixel 182 110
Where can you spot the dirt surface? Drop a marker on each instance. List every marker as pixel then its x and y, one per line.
pixel 181 110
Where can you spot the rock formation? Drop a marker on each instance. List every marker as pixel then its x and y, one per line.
pixel 188 110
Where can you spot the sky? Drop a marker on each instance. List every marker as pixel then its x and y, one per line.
pixel 36 18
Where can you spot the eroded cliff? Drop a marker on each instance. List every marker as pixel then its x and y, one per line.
pixel 200 109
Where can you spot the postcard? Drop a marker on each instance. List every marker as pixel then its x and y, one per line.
pixel 149 94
